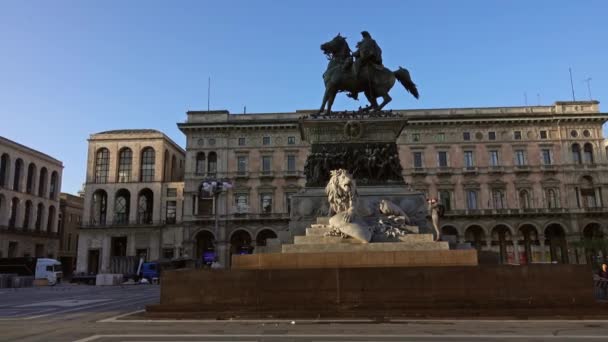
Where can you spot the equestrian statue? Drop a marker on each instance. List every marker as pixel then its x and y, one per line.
pixel 365 74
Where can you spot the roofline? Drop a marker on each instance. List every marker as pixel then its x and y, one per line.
pixel 32 151
pixel 153 135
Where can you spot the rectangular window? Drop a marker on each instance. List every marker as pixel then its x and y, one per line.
pixel 241 203
pixel 415 137
pixel 171 212
pixel 471 199
pixel 266 203
pixel 442 159
pixel 205 206
pixel 520 158
pixel 546 155
pixel 266 164
pixel 288 201
pixel 291 163
pixel 266 141
pixel 291 140
pixel 543 135
pixel 491 135
pixel 445 198
pixel 498 197
pixel 69 242
pixel 468 159
pixel 494 160
pixel 241 165
pixel 418 160
pixel 466 136
pixel 517 135
pixel 168 253
pixel 242 141
pixel 171 192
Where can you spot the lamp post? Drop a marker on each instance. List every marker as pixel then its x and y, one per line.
pixel 215 187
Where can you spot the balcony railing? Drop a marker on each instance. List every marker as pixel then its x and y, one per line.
pixel 524 211
pixel 93 224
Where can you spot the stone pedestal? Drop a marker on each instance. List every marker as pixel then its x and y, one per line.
pixel 311 203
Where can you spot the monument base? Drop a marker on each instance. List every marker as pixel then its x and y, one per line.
pixel 357 258
pixel 554 291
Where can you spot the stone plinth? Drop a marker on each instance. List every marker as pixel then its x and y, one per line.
pixel 311 203
pixel 419 292
pixel 348 255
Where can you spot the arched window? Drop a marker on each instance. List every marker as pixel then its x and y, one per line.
pixel 147 164
pixel 145 205
pixel 28 215
pixel 576 154
pixel 173 167
pixel 17 178
pixel 53 188
pixel 264 235
pixel 475 236
pixel 551 196
pixel 99 209
pixel 555 239
pixel 498 197
pixel 31 178
pixel 51 220
pixel 200 163
pixel 122 206
pixel 212 164
pixel 42 182
pixel 240 242
pixel 125 162
pixel 5 166
pixel 102 165
pixel 39 212
pixel 524 199
pixel 588 153
pixel 14 211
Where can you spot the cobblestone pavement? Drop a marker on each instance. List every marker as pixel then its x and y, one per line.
pixel 103 314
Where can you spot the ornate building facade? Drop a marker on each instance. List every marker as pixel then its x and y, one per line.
pixel 524 182
pixel 30 183
pixel 133 199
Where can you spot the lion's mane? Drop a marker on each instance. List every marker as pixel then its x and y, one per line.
pixel 340 199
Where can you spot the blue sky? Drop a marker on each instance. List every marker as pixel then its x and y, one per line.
pixel 72 68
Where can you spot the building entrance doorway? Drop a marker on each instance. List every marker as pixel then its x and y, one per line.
pixel 93 261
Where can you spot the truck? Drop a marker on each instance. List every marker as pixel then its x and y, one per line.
pixel 39 268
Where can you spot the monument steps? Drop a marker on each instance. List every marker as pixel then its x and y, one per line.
pixel 364 247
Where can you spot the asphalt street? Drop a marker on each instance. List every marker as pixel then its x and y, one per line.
pixel 104 314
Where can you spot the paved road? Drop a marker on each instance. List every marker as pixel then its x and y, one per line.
pixel 89 313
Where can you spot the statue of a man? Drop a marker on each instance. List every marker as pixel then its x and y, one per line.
pixel 368 53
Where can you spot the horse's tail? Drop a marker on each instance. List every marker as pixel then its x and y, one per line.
pixel 404 78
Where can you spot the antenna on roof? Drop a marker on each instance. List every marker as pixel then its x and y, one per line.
pixel 525 98
pixel 571 84
pixel 588 81
pixel 208 92
pixel 244 109
pixel 538 98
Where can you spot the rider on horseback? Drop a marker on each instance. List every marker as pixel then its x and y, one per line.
pixel 368 54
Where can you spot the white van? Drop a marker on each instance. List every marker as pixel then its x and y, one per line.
pixel 49 269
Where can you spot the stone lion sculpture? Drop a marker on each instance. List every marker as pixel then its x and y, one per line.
pixel 341 193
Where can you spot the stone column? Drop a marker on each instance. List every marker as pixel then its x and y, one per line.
pixel 543 249
pixel 133 208
pixel 110 208
pixel 105 254
pixel 516 251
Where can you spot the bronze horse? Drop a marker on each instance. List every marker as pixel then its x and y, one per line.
pixel 340 76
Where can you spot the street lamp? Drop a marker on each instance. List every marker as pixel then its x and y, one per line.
pixel 215 186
